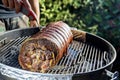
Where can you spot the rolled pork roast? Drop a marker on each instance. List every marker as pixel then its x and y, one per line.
pixel 44 50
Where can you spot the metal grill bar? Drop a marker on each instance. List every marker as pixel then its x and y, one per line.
pixel 81 57
pixel 98 61
pixel 89 60
pixel 92 59
pixel 95 59
pixel 8 56
pixel 85 59
pixel 5 47
pixel 2 42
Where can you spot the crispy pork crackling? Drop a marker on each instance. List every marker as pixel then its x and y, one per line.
pixel 44 49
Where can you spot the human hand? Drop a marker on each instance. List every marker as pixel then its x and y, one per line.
pixel 16 4
pixel 34 23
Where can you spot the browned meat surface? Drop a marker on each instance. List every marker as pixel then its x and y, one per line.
pixel 44 49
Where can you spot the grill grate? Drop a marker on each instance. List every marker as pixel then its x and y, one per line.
pixel 81 57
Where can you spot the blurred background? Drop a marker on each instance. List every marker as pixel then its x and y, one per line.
pixel 100 17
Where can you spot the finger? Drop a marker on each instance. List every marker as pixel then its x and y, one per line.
pixel 33 23
pixel 17 6
pixel 11 4
pixel 5 3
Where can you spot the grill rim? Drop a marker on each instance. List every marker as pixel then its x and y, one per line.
pixel 49 74
pixel 108 43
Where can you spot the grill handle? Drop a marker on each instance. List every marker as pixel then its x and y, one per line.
pixel 114 76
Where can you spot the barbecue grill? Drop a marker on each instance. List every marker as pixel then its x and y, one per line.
pixel 89 57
